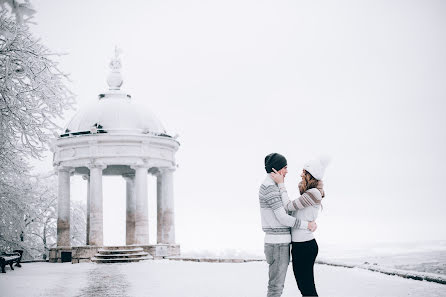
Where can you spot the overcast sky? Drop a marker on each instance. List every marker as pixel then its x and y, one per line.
pixel 362 81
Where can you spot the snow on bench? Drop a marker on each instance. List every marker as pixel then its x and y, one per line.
pixel 5 259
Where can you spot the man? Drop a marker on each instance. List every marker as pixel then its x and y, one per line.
pixel 276 224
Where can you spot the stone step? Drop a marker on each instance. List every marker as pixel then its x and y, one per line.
pixel 120 260
pixel 111 256
pixel 119 251
pixel 121 247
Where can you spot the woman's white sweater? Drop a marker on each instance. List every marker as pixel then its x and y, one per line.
pixel 305 208
pixel 308 213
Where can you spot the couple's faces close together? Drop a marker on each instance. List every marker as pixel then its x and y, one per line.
pixel 302 185
pixel 284 172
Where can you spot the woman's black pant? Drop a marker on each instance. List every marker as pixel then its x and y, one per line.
pixel 304 254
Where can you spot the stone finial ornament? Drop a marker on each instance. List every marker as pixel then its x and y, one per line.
pixel 114 79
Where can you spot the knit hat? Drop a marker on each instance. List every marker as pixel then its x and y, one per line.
pixel 317 167
pixel 276 161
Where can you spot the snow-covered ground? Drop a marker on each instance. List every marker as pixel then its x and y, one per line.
pixel 191 279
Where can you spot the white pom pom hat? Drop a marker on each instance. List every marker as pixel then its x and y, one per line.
pixel 317 167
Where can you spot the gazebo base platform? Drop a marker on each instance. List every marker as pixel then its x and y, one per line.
pixel 81 254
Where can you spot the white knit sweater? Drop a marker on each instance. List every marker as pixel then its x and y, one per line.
pixel 306 207
pixel 276 222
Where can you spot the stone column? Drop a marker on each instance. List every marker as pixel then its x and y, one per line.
pixel 130 237
pixel 87 178
pixel 96 236
pixel 63 207
pixel 142 207
pixel 165 207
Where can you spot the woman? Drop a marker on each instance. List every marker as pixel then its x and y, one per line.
pixel 306 207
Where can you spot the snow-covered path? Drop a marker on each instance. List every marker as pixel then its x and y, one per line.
pixel 166 278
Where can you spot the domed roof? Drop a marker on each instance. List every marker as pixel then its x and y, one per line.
pixel 114 112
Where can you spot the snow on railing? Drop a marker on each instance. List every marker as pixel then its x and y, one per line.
pixel 410 274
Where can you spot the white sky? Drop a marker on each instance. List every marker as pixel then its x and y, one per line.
pixel 363 81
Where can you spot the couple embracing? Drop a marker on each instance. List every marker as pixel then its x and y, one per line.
pixel 286 222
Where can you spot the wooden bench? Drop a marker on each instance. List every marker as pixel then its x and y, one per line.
pixel 6 259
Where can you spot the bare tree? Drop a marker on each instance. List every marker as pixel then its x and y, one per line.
pixel 32 92
pixel 29 222
pixel 33 95
pixel 78 223
pixel 22 10
pixel 22 208
pixel 40 219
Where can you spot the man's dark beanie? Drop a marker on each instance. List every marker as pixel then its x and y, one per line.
pixel 276 161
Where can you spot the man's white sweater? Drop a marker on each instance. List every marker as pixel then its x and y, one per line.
pixel 276 222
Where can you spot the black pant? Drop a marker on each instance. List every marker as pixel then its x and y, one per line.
pixel 304 254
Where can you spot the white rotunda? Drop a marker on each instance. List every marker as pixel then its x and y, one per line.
pixel 116 136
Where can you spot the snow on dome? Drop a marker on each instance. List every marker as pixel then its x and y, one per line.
pixel 114 112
